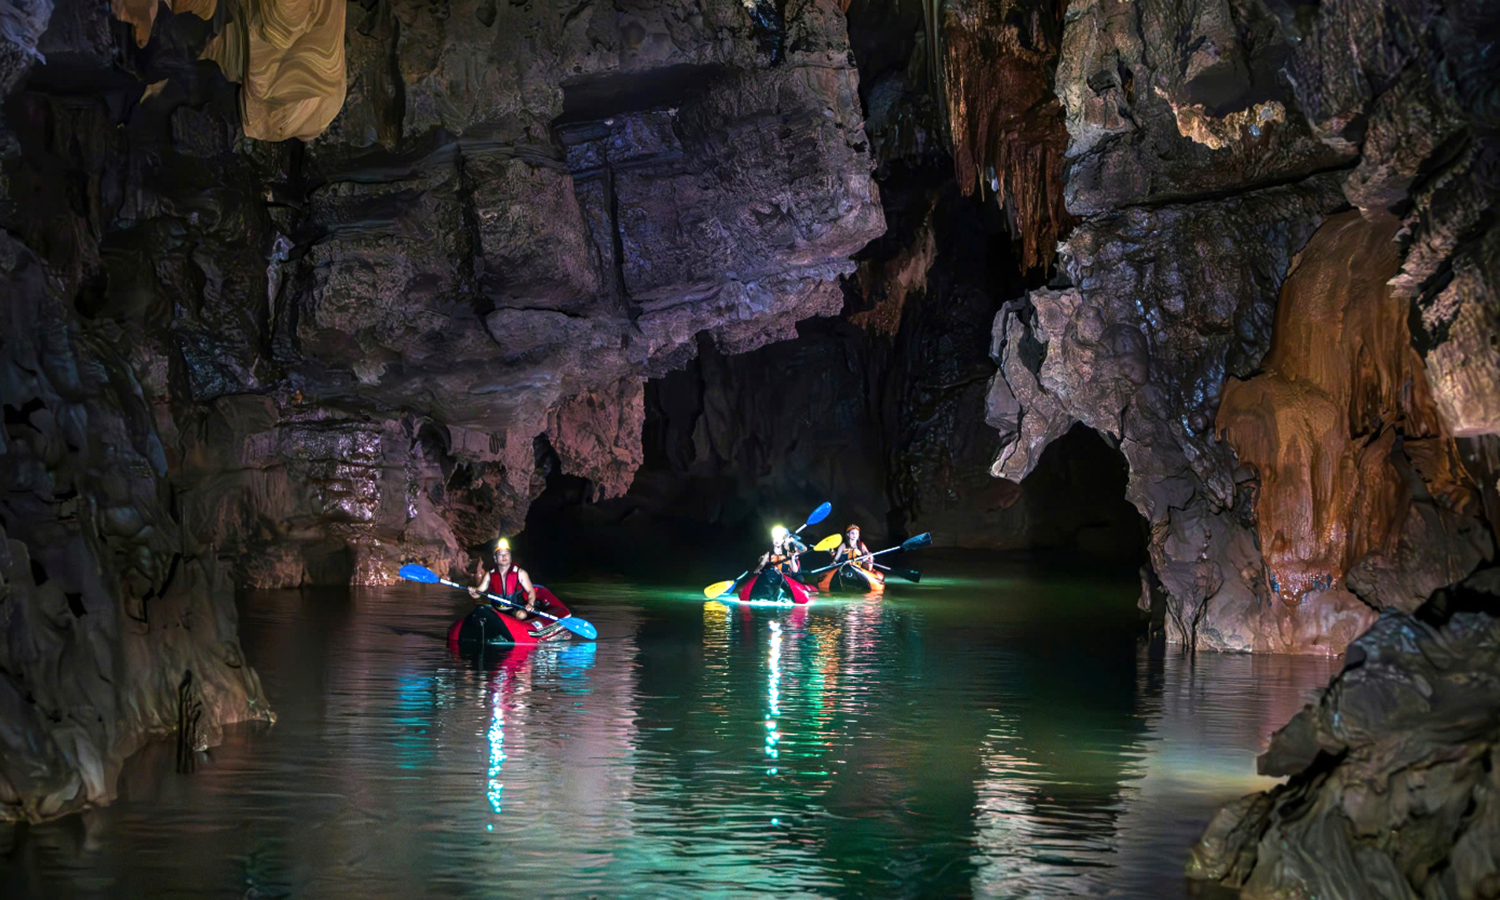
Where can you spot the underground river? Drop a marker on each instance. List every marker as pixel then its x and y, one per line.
pixel 998 730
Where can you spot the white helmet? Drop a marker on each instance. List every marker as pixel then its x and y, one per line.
pixel 778 534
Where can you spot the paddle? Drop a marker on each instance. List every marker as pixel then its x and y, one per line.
pixel 414 572
pixel 719 588
pixel 817 516
pixel 912 575
pixel 911 543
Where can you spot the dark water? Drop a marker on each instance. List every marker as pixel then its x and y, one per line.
pixel 994 734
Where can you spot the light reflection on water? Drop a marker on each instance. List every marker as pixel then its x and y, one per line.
pixel 991 733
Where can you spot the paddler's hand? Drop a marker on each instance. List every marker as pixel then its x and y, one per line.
pixel 474 592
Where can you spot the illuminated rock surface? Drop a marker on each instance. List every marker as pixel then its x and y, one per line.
pixel 1339 389
pixel 1209 143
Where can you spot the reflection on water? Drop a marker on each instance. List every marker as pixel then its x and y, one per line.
pixel 992 733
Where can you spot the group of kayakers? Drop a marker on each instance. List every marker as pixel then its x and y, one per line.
pixel 787 548
pixel 499 576
pixel 522 612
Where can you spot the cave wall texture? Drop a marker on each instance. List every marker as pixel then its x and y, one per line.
pixel 296 291
pixel 1305 394
pixel 231 359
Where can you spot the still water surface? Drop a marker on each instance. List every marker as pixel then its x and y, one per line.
pixel 998 732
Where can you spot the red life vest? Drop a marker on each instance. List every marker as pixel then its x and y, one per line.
pixel 509 585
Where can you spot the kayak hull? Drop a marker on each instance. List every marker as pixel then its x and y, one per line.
pixel 487 626
pixel 852 579
pixel 771 586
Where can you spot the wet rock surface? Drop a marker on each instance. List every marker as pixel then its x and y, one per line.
pixel 1208 143
pixel 113 615
pixel 1394 788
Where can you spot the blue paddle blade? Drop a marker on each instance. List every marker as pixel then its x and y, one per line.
pixel 414 572
pixel 579 627
pixel 819 514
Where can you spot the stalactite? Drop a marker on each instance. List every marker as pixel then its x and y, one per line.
pixel 1341 386
pixel 142 13
pixel 289 57
pixel 287 54
pixel 1006 124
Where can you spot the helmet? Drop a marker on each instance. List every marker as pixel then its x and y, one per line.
pixel 501 544
pixel 778 534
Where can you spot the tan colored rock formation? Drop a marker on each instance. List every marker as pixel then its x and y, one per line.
pixel 289 57
pixel 142 13
pixel 1341 386
pixel 1007 126
pixel 287 54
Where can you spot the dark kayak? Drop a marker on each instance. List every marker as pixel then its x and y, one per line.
pixel 771 586
pixel 488 626
pixel 851 579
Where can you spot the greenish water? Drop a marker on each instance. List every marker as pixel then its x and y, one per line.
pixel 994 732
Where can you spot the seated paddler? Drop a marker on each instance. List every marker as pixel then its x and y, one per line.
pixel 852 550
pixel 507 580
pixel 783 555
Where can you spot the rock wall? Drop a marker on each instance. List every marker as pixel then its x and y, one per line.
pixel 1394 787
pixel 1208 144
pixel 306 361
pixel 114 617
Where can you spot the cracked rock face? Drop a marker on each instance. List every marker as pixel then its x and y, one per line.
pixel 314 361
pixel 1209 143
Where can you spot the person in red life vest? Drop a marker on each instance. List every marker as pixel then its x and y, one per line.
pixel 852 549
pixel 506 580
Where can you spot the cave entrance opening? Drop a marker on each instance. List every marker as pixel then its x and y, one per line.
pixel 1075 504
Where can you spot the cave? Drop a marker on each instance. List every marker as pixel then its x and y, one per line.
pixel 1154 346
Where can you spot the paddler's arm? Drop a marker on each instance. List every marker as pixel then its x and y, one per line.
pixel 484 582
pixel 525 581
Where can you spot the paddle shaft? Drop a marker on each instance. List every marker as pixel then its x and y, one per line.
pixel 498 599
pixel 865 558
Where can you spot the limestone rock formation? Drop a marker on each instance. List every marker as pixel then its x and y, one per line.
pixel 1006 123
pixel 1395 776
pixel 1339 388
pixel 109 608
pixel 288 56
pixel 1208 142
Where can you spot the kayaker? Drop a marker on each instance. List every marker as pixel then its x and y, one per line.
pixel 507 580
pixel 852 549
pixel 783 553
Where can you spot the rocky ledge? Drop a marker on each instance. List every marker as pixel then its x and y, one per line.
pixel 1394 787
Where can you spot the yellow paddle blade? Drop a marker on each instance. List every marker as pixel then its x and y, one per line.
pixel 828 543
pixel 717 588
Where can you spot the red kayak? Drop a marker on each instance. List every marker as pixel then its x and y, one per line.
pixel 490 626
pixel 771 586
